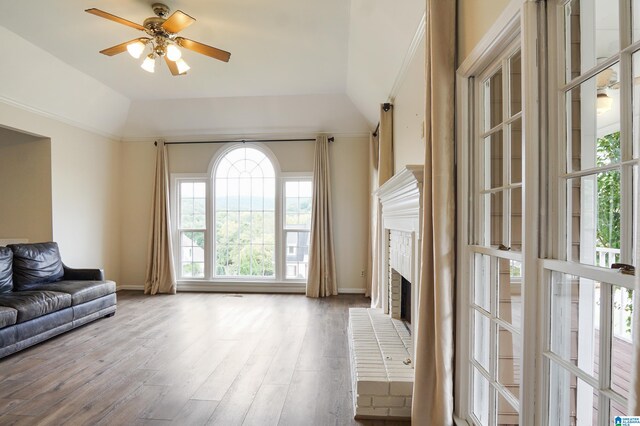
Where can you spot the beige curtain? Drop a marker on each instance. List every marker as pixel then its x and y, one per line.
pixel 321 281
pixel 160 276
pixel 634 391
pixel 373 203
pixel 382 170
pixel 433 385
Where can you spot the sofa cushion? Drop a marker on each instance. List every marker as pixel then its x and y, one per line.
pixel 6 273
pixel 8 316
pixel 35 264
pixel 82 291
pixel 33 304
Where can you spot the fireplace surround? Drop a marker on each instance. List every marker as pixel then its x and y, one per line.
pixel 380 344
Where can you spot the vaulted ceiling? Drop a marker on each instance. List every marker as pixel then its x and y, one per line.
pixel 348 52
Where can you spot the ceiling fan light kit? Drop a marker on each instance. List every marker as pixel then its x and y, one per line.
pixel 163 40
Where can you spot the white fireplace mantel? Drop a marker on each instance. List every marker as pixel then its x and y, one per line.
pixel 401 200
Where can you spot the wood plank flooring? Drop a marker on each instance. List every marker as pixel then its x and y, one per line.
pixel 191 359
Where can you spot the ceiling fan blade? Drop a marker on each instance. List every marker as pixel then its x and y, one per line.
pixel 177 22
pixel 172 66
pixel 204 49
pixel 119 48
pixel 106 15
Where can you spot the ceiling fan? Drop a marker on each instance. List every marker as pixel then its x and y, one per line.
pixel 163 39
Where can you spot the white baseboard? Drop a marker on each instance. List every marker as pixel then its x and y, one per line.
pixel 351 290
pixel 130 287
pixel 243 288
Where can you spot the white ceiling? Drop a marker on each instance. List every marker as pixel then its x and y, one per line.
pixel 283 47
pixel 336 59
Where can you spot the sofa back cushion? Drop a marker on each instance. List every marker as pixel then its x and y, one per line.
pixel 37 263
pixel 6 273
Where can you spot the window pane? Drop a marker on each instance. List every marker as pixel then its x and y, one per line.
pixel 571 400
pixel 494 219
pixel 594 202
pixel 510 291
pixel 516 219
pixel 245 222
pixel 192 254
pixel 493 160
pixel 493 100
pixel 480 397
pixel 515 62
pixel 482 280
pixel 509 358
pixel 507 414
pixel 636 88
pixel 593 119
pixel 297 254
pixel 591 32
pixel 516 151
pixel 621 334
pixel 481 339
pixel 297 204
pixel 616 409
pixel 575 313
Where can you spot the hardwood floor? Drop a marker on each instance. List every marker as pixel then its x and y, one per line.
pixel 191 359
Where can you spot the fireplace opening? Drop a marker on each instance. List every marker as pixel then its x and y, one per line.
pixel 405 301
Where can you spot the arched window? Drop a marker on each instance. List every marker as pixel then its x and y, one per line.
pixel 245 208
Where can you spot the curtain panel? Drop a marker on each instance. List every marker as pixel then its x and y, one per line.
pixel 381 171
pixel 160 276
pixel 321 281
pixel 433 384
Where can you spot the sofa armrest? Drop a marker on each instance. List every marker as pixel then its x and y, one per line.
pixel 74 274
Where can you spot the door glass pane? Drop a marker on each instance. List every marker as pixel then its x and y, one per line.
pixel 575 313
pixel 494 155
pixel 571 400
pixel 591 32
pixel 593 120
pixel 493 100
pixel 621 343
pixel 480 397
pixel 482 282
pixel 509 357
pixel 510 291
pixel 516 83
pixel 481 339
pixel 507 414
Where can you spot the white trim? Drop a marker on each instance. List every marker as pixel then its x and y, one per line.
pixel 351 290
pixel 531 133
pixel 17 104
pixel 129 287
pixel 418 36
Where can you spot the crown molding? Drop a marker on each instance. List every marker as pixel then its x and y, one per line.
pixel 418 36
pixel 62 119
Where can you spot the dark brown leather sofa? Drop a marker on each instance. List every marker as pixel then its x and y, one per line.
pixel 40 297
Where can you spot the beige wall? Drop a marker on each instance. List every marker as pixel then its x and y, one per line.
pixel 25 188
pixel 349 179
pixel 475 17
pixel 85 199
pixel 408 115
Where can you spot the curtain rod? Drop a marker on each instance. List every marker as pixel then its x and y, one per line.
pixel 331 139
